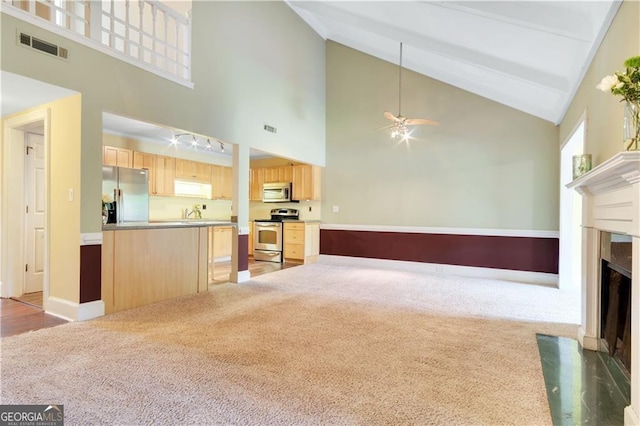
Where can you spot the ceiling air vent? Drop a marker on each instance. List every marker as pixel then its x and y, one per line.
pixel 43 46
pixel 270 128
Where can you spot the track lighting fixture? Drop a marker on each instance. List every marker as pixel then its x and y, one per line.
pixel 194 142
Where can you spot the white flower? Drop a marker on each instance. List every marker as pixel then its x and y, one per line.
pixel 106 198
pixel 608 83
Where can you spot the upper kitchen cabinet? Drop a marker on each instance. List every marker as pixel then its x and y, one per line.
pixel 164 175
pixel 256 180
pixel 221 182
pixel 278 174
pixel 193 170
pixel 306 182
pixel 142 160
pixel 120 157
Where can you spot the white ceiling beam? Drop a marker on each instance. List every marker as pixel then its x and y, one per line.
pixel 542 16
pixel 444 49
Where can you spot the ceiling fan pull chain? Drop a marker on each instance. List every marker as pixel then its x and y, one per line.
pixel 400 84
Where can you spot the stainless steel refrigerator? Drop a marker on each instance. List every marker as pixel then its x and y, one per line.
pixel 129 190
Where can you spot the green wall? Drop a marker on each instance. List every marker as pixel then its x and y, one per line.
pixel 254 63
pixel 485 166
pixel 603 111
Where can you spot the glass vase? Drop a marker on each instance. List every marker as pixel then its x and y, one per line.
pixel 631 126
pixel 105 214
pixel 581 164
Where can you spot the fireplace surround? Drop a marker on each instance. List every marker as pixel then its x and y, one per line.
pixel 611 204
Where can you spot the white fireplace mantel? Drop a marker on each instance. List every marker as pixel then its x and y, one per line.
pixel 611 202
pixel 621 170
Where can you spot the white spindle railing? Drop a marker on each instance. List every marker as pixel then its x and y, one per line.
pixel 145 30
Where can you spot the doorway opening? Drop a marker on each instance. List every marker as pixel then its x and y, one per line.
pixel 25 236
pixel 570 262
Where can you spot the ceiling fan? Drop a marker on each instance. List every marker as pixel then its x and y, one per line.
pixel 399 123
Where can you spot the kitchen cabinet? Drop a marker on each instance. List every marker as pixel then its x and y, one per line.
pixel 271 175
pixel 193 170
pixel 306 182
pixel 221 243
pixel 301 242
pixel 221 182
pixel 164 175
pixel 256 180
pixel 120 157
pixel 145 266
pixel 285 174
pixel 142 160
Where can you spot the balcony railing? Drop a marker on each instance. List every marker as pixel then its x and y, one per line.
pixel 145 31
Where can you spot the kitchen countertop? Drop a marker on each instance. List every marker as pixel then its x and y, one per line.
pixel 161 224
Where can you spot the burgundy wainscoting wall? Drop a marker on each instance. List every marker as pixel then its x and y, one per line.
pixel 243 249
pixel 90 273
pixel 514 253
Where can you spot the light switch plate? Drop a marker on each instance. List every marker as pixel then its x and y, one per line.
pixel 335 209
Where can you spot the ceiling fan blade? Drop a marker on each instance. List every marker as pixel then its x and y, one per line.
pixel 420 121
pixel 390 116
pixel 386 127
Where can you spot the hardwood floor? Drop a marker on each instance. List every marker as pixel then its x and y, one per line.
pixel 221 270
pixel 18 317
pixel 25 313
pixel 34 299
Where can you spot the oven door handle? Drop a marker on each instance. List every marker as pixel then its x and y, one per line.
pixel 267 226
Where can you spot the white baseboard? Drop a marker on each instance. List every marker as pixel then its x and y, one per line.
pixel 221 259
pixel 587 342
pixel 630 417
pixel 434 268
pixel 242 276
pixel 72 311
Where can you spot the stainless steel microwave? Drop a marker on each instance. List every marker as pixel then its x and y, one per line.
pixel 278 192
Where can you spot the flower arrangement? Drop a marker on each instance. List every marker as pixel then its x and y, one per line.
pixel 627 84
pixel 106 199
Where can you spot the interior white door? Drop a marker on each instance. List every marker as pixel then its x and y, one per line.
pixel 34 211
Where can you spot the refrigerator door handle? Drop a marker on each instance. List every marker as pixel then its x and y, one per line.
pixel 117 195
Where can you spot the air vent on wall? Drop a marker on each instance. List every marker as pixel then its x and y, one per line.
pixel 43 46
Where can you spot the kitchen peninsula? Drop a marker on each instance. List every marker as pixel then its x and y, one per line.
pixel 146 262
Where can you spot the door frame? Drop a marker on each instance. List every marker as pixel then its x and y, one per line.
pixel 12 220
pixel 565 260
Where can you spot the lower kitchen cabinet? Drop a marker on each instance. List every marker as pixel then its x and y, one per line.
pixel 301 242
pixel 250 238
pixel 220 243
pixel 143 266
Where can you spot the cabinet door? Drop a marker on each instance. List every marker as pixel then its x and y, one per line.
pixel 257 180
pixel 217 182
pixel 222 236
pixel 221 182
pixel 306 182
pixel 120 157
pixel 203 172
pixel 270 174
pixel 227 183
pixel 143 160
pixel 185 169
pixel 285 174
pixel 165 169
pixel 250 238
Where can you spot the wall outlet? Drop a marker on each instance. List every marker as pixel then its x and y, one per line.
pixel 309 208
pixel 204 207
pixel 335 209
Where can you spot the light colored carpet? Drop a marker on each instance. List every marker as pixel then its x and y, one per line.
pixel 316 344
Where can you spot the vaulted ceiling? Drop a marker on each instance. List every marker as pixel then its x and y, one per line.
pixel 529 55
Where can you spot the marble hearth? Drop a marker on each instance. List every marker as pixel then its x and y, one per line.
pixel 611 203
